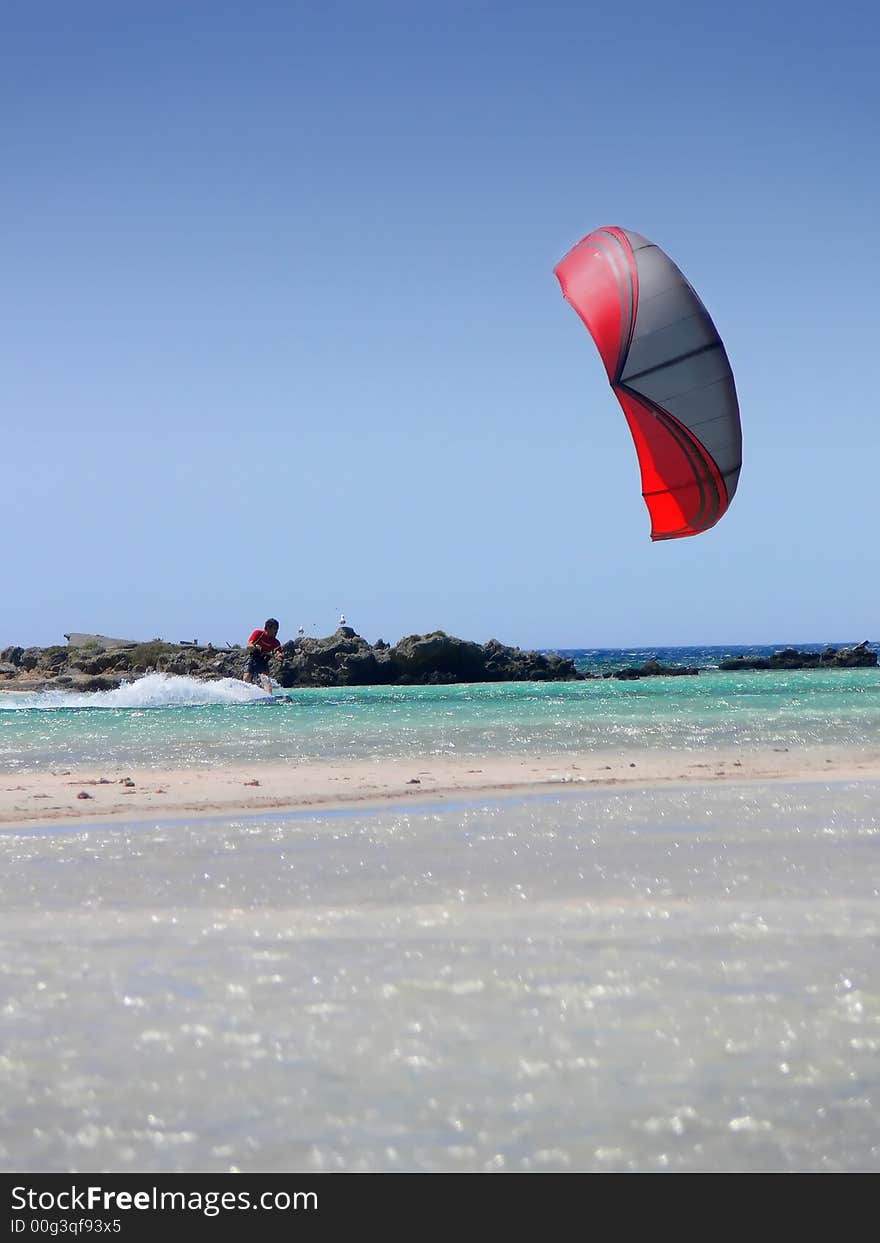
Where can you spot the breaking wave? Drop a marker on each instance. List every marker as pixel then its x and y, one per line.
pixel 156 690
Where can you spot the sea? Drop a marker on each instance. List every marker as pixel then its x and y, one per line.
pixel 682 978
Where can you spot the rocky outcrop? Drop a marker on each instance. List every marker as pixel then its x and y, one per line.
pixel 856 657
pixel 92 666
pixel 345 659
pixel 341 659
pixel 651 669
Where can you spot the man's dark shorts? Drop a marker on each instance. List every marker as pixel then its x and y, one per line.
pixel 258 664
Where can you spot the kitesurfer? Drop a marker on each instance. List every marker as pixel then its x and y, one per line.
pixel 262 646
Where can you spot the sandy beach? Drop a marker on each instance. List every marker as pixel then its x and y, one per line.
pixel 681 977
pixel 123 794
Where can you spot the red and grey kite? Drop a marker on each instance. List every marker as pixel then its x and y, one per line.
pixel 669 369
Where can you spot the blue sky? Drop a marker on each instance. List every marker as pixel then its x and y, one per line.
pixel 281 334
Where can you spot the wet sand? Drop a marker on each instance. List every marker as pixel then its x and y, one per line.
pixel 676 978
pixel 117 793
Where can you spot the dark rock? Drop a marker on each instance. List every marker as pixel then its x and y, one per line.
pixel 54 658
pixel 437 657
pixel 857 656
pixel 652 669
pixel 100 662
pixel 345 659
pixel 437 653
pixel 363 669
pixel 102 682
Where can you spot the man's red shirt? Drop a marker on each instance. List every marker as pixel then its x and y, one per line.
pixel 263 642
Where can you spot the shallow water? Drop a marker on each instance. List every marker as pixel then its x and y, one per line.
pixel 163 721
pixel 648 980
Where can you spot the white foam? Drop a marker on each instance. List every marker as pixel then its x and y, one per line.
pixel 155 690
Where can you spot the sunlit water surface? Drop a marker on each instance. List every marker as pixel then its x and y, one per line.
pixel 651 980
pixel 163 721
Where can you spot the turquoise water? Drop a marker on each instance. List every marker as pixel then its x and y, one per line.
pixel 167 721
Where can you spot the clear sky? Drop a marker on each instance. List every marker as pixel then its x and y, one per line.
pixel 280 331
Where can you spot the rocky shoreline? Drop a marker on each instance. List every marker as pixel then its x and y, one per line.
pixel 96 663
pixel 857 657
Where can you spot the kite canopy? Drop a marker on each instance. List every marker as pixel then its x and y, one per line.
pixel 669 369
